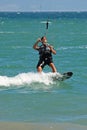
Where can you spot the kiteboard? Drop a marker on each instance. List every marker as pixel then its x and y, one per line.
pixel 62 77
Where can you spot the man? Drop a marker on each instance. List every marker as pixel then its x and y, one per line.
pixel 45 52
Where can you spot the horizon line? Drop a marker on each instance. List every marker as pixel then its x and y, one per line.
pixel 44 11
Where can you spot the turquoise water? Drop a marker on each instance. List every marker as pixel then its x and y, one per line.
pixel 28 96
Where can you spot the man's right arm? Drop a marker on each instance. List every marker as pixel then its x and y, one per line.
pixel 35 46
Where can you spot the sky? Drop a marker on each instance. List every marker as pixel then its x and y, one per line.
pixel 43 5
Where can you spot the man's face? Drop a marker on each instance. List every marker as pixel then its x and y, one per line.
pixel 44 40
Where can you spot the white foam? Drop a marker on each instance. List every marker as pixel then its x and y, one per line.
pixel 27 78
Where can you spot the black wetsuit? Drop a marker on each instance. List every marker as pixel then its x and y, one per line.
pixel 45 56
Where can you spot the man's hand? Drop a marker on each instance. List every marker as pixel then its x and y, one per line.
pixel 38 40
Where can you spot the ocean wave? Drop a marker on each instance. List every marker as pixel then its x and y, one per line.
pixel 6 32
pixel 27 79
pixel 73 47
pixel 11 32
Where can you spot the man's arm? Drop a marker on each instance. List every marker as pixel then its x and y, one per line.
pixel 52 49
pixel 35 46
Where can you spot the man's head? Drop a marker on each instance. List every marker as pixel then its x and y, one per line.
pixel 43 39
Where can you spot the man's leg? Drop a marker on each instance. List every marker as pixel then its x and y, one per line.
pixel 39 69
pixel 40 66
pixel 53 67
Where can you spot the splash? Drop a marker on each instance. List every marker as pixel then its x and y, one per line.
pixel 27 78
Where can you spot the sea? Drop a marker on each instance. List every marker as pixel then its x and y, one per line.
pixel 27 96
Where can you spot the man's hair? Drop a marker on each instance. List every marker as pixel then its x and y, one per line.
pixel 42 37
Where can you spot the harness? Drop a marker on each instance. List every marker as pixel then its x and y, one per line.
pixel 45 52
